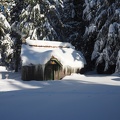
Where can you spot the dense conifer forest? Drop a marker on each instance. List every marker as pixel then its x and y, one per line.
pixel 92 26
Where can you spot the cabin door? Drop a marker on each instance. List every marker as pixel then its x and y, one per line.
pixel 49 72
pixel 52 69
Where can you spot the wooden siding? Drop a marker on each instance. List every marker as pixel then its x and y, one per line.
pixel 32 73
pixel 52 70
pixel 48 73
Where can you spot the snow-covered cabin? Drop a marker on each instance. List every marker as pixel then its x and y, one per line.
pixel 49 60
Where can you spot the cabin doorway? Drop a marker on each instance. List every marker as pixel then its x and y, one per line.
pixel 49 72
pixel 52 69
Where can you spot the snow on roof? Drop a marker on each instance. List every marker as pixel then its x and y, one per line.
pixel 42 43
pixel 41 54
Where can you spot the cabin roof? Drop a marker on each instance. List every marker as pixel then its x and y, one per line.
pixel 40 52
pixel 49 44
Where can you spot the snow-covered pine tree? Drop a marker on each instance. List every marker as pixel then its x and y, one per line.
pixel 102 32
pixel 33 23
pixel 5 41
pixel 15 35
pixel 49 19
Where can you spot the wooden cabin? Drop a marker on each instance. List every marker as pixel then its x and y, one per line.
pixel 48 60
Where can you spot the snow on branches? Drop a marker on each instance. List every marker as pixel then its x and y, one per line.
pixel 104 16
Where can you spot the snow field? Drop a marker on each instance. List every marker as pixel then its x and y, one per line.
pixel 85 97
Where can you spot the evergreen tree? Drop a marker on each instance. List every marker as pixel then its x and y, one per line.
pixel 32 21
pixel 102 32
pixel 5 41
pixel 49 20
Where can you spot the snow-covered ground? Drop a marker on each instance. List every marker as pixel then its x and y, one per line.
pixel 76 97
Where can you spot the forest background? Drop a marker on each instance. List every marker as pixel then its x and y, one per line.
pixel 92 26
